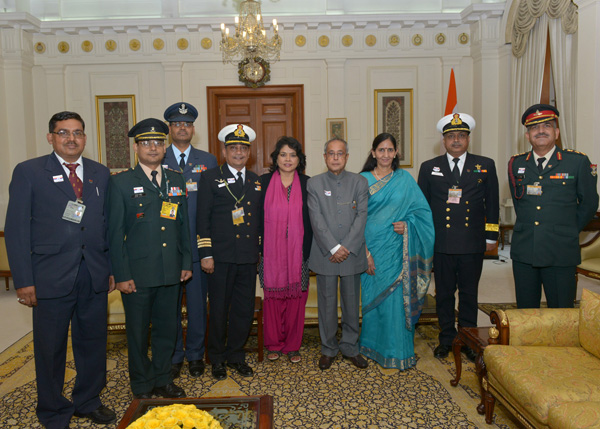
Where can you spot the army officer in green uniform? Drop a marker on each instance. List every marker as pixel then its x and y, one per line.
pixel 554 194
pixel 151 255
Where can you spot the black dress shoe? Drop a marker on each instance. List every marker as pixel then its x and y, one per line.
pixel 196 368
pixel 469 353
pixel 147 395
pixel 169 391
pixel 358 361
pixel 242 368
pixel 441 351
pixel 101 415
pixel 219 371
pixel 176 370
pixel 325 362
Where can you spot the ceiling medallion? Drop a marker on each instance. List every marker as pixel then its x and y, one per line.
pixel 394 40
pixel 158 44
pixel 323 41
pixel 370 40
pixel 417 39
pixel 254 72
pixel 135 44
pixel 206 43
pixel 347 40
pixel 463 38
pixel 183 44
pixel 300 41
pixel 87 46
pixel 63 47
pixel 440 38
pixel 110 45
pixel 39 47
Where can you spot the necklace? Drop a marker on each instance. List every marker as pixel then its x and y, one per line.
pixel 385 181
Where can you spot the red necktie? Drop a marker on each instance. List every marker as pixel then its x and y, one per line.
pixel 75 182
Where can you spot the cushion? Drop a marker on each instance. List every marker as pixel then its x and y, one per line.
pixel 575 415
pixel 589 322
pixel 541 377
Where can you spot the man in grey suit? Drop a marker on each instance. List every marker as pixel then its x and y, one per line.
pixel 337 204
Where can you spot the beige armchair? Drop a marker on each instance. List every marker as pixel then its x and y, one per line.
pixel 590 258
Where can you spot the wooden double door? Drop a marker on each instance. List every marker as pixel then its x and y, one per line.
pixel 272 112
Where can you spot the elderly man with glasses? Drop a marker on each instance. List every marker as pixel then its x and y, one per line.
pixel 150 252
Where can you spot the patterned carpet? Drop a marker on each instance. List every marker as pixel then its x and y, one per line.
pixel 304 396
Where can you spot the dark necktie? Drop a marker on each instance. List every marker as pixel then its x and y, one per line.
pixel 154 181
pixel 240 181
pixel 541 164
pixel 74 179
pixel 456 170
pixel 182 161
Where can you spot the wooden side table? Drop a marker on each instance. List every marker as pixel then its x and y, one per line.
pixel 476 339
pixel 504 228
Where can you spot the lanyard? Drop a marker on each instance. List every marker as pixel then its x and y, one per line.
pixel 166 179
pixel 237 200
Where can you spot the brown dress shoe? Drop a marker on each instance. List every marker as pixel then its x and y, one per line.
pixel 358 361
pixel 325 362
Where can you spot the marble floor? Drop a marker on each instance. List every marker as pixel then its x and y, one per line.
pixel 496 285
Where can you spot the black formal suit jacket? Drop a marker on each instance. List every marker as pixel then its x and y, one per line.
pixel 43 249
pixel 198 161
pixel 265 179
pixel 217 235
pixel 462 228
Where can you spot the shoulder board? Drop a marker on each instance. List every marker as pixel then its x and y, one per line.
pixel 114 173
pixel 174 171
pixel 520 154
pixel 574 151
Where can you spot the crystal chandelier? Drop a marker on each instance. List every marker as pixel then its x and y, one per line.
pixel 250 39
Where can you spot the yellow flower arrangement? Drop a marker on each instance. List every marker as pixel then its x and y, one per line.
pixel 177 416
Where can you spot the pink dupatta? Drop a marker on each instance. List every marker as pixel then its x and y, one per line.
pixel 283 235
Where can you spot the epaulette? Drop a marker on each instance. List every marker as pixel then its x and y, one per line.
pixel 520 154
pixel 574 151
pixel 114 173
pixel 174 171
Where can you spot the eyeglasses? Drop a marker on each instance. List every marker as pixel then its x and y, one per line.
pixel 64 134
pixel 182 124
pixel 148 143
pixel 336 154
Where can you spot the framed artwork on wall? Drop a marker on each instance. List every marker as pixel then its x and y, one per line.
pixel 394 115
pixel 115 115
pixel 336 127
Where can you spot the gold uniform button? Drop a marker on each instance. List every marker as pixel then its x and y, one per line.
pixel 466 224
pixel 536 223
pixel 447 217
pixel 248 224
pixel 564 183
pixel 468 210
pixel 247 236
pixel 447 225
pixel 466 202
pixel 248 202
pixel 447 209
pixel 237 236
pixel 538 207
pixel 162 228
pixel 164 244
pixel 140 204
pixel 249 214
pixel 467 218
pixel 541 177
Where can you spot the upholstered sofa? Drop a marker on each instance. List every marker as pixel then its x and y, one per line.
pixel 546 367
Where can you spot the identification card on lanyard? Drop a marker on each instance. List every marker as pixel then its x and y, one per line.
pixel 238 216
pixel 168 210
pixel 454 195
pixel 534 189
pixel 74 211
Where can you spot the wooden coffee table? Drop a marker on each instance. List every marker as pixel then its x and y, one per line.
pixel 231 411
pixel 477 339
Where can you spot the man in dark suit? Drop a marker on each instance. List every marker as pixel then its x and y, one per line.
pixel 554 194
pixel 228 239
pixel 57 249
pixel 181 155
pixel 149 236
pixel 462 190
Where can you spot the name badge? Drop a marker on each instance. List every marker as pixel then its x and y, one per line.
pixel 191 186
pixel 58 178
pixel 168 210
pixel 521 170
pixel 534 190
pixel 74 212
pixel 454 195
pixel 437 173
pixel 138 190
pixel 238 216
pixel 230 180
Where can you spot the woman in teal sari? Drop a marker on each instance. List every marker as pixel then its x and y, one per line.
pixel 399 236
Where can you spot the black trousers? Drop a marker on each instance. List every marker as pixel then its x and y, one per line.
pixel 452 272
pixel 560 285
pixel 231 292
